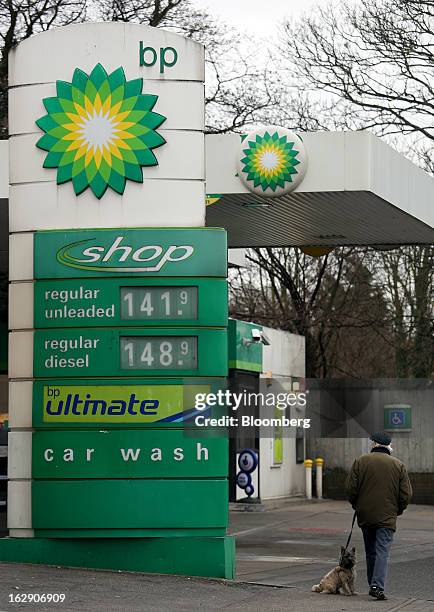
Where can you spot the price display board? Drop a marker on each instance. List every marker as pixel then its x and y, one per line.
pixel 122 352
pixel 128 332
pixel 109 302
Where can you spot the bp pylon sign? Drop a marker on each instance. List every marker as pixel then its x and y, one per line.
pixel 157 344
pixel 118 311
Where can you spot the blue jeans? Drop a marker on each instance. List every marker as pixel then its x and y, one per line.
pixel 378 541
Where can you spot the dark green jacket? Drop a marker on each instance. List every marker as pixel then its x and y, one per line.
pixel 378 489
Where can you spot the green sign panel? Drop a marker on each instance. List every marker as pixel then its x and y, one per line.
pixel 130 504
pixel 397 417
pixel 130 252
pixel 130 335
pixel 163 403
pixel 129 352
pixel 110 302
pixel 128 454
pixel 245 351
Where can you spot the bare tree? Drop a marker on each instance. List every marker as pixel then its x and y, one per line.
pixel 374 62
pixel 377 56
pixel 333 301
pixel 370 65
pixel 238 89
pixel 409 288
pixel 20 19
pixel 178 15
pixel 241 92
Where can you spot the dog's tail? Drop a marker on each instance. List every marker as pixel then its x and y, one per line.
pixel 316 588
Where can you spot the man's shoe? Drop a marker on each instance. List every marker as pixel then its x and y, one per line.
pixel 377 593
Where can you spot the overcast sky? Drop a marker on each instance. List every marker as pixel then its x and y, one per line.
pixel 258 17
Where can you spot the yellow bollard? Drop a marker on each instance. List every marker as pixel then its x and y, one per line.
pixel 308 463
pixel 319 465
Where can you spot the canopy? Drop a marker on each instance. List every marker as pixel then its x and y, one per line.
pixel 357 191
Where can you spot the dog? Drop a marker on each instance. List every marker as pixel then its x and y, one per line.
pixel 341 578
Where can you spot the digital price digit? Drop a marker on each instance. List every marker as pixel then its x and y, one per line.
pixel 159 303
pixel 158 352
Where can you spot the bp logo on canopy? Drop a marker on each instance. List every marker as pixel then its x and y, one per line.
pixel 272 161
pixel 100 130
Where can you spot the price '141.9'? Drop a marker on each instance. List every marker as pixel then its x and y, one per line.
pixel 159 303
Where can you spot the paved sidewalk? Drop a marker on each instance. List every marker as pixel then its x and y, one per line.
pixel 297 543
pixel 123 592
pixel 281 552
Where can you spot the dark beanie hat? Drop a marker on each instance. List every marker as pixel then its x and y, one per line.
pixel 382 438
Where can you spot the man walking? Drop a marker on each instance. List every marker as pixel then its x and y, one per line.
pixel 379 490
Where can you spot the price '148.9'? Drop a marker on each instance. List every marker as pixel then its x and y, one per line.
pixel 159 352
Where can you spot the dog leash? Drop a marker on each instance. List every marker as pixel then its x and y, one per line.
pixel 349 537
pixel 351 531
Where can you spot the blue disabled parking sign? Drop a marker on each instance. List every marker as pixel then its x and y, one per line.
pixel 397 417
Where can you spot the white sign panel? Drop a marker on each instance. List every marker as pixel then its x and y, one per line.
pixel 106 124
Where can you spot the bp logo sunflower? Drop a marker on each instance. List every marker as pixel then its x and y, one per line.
pixel 272 161
pixel 100 131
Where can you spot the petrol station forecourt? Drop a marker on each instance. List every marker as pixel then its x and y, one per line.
pixel 121 213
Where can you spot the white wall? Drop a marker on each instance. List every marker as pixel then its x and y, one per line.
pixel 284 358
pixel 177 183
pixel 415 448
pixel 237 258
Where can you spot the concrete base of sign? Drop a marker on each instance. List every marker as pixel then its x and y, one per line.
pixel 188 556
